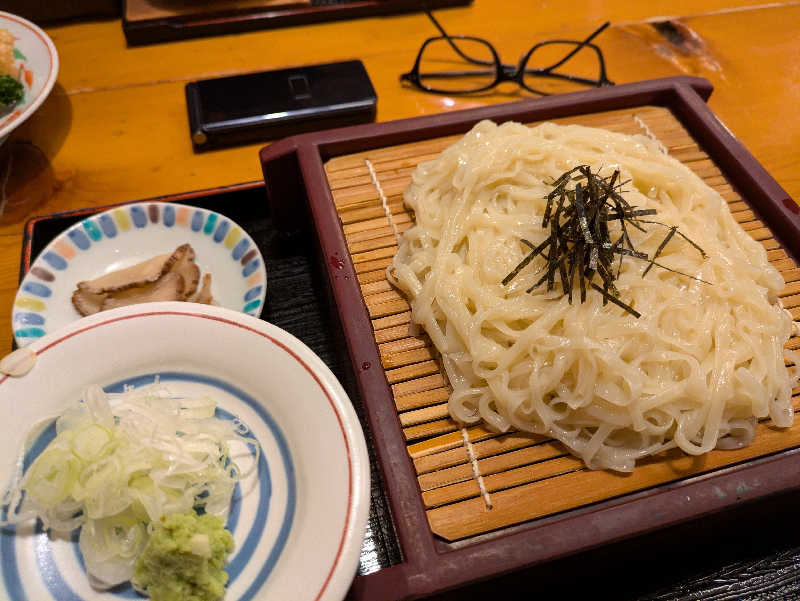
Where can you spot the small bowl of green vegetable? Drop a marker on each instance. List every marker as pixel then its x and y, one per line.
pixel 28 70
pixel 181 449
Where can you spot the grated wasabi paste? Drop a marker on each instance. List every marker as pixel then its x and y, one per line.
pixel 184 559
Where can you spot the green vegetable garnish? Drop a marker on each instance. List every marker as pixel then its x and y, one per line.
pixel 184 559
pixel 11 91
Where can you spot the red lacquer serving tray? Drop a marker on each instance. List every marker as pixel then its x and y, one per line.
pixel 316 176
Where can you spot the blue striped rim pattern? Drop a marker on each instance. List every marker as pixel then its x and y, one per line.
pixel 197 221
pixel 49 571
pixel 253 293
pixel 138 216
pixel 107 225
pixel 111 224
pixel 31 319
pixel 37 289
pixel 239 249
pixel 169 216
pixel 221 232
pixel 79 239
pixel 55 260
pixel 250 267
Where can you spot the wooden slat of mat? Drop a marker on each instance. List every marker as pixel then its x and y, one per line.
pixel 580 487
pixel 448 485
pixel 495 464
pixel 496 445
pixel 379 222
pixel 514 465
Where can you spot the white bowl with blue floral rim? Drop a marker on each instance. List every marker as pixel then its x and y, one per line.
pixel 36 60
pixel 126 235
pixel 298 521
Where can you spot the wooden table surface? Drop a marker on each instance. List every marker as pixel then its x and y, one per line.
pixel 115 126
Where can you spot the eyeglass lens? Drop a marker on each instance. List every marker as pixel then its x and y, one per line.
pixel 457 65
pixel 544 72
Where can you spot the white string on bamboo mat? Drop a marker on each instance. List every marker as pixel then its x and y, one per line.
pixel 467 444
pixel 382 196
pixel 475 469
pixel 649 133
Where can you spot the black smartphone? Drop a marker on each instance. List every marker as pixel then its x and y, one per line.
pixel 275 104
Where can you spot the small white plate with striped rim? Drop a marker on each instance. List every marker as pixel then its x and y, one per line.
pixel 126 235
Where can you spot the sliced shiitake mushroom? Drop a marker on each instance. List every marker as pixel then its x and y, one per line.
pixel 167 277
pixel 204 295
pixel 169 287
pixel 188 270
pixel 137 275
pixel 87 303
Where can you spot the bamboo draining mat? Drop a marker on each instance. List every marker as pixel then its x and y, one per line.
pixel 524 476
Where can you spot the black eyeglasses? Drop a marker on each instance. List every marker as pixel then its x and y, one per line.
pixel 536 72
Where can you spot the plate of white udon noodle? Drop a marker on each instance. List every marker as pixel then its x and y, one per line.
pixel 696 371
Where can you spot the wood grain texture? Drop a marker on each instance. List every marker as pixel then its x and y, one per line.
pixel 115 126
pixel 513 468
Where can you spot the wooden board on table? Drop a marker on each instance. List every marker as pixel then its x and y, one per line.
pixel 141 10
pixel 516 468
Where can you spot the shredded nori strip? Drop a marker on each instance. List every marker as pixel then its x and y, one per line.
pixel 682 235
pixel 579 241
pixel 616 301
pixel 581 210
pixel 661 246
pixel 629 214
pixel 526 260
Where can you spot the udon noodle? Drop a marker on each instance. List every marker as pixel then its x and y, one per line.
pixel 695 371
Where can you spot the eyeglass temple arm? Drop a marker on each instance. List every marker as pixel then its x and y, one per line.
pixel 453 45
pixel 580 46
